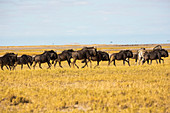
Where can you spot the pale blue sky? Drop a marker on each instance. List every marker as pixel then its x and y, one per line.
pixel 46 22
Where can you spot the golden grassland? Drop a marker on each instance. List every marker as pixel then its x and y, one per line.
pixel 134 89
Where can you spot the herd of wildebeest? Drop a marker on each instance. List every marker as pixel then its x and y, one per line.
pixel 86 54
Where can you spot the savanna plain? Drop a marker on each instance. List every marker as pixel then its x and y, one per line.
pixel 125 89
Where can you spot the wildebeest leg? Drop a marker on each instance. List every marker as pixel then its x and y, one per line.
pixel 148 61
pixel 6 67
pixel 157 61
pixel 69 62
pixel 143 61
pixel 77 66
pixel 15 65
pixel 21 66
pixel 40 65
pixel 136 61
pixel 110 62
pixel 85 64
pixel 9 67
pixel 114 63
pixel 162 61
pixel 34 65
pixel 60 64
pixel 123 62
pixel 28 66
pixel 74 63
pixel 97 64
pixel 49 65
pixel 151 62
pixel 55 63
pixel 139 60
pixel 89 60
pixel 128 62
pixel 2 67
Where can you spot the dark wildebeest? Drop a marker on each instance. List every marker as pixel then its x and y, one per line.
pixel 101 56
pixel 66 55
pixel 25 59
pixel 154 55
pixel 122 55
pixel 43 58
pixel 9 59
pixel 84 54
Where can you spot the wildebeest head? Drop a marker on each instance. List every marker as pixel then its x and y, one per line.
pixel 53 56
pixel 105 56
pixel 129 54
pixel 164 53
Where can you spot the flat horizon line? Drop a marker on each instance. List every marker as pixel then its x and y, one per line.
pixel 87 44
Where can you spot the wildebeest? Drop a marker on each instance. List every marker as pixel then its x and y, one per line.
pixel 25 59
pixel 154 55
pixel 122 55
pixel 45 57
pixel 9 59
pixel 101 56
pixel 163 52
pixel 66 55
pixel 84 54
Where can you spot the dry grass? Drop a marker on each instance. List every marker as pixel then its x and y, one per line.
pixel 133 89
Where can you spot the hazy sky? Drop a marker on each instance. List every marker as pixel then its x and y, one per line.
pixel 46 22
